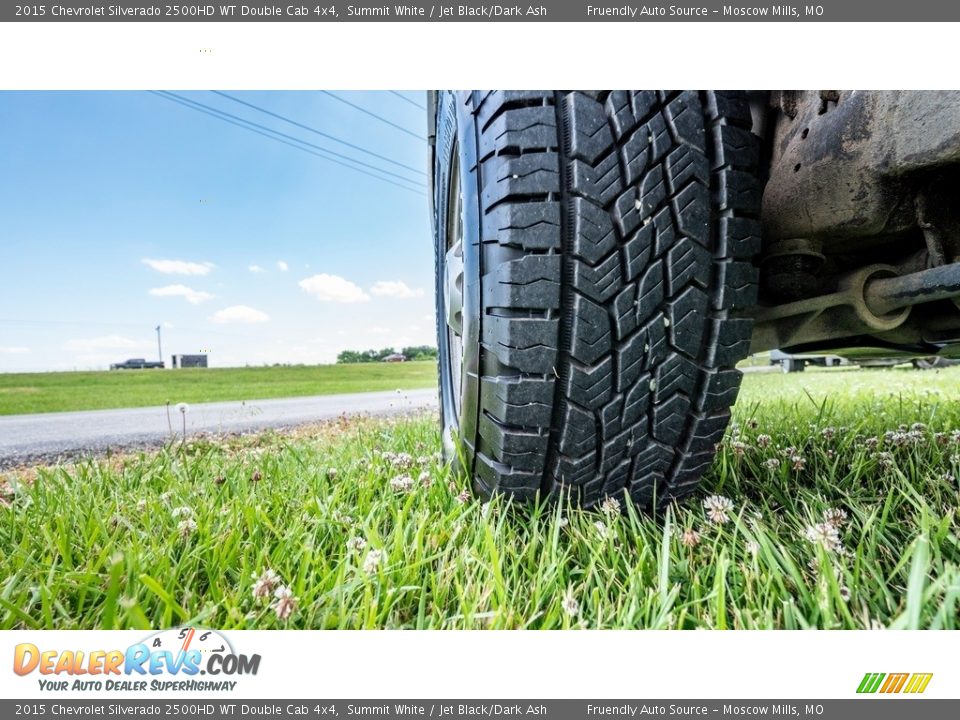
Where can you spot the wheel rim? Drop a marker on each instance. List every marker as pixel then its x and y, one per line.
pixel 453 285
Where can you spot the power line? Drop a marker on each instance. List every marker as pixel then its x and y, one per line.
pixel 409 100
pixel 271 134
pixel 318 132
pixel 270 130
pixel 374 115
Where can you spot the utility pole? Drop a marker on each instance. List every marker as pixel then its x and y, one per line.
pixel 159 349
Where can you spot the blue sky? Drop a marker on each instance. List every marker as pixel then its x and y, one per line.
pixel 123 210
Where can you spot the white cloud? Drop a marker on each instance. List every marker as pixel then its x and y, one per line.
pixel 333 288
pixel 239 314
pixel 255 269
pixel 194 297
pixel 106 342
pixel 178 267
pixel 282 266
pixel 13 350
pixel 395 289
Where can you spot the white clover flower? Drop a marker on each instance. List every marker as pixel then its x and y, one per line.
pixel 402 483
pixel 602 530
pixel 373 561
pixel 286 603
pixel 187 527
pixel 826 535
pixel 690 538
pixel 563 521
pixel 610 506
pixel 764 441
pixel 141 506
pixel 356 544
pixel 463 497
pixel 718 509
pixel 569 604
pixel 772 464
pixel 425 479
pixel 182 511
pixel 753 547
pixel 265 584
pixel 835 516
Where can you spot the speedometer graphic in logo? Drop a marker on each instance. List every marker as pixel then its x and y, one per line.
pixel 184 639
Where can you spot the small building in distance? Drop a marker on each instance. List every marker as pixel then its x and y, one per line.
pixel 395 357
pixel 188 361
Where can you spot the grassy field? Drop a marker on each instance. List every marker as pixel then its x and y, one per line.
pixel 842 513
pixel 53 392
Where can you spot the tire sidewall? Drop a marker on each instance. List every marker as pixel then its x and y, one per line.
pixel 456 134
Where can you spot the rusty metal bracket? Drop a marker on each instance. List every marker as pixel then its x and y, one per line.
pixel 875 299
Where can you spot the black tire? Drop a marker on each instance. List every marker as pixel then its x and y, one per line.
pixel 606 242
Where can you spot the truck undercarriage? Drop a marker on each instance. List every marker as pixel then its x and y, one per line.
pixel 861 227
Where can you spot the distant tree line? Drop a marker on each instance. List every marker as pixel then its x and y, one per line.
pixel 415 352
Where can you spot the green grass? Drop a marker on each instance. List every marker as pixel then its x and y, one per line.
pixel 53 392
pixel 101 544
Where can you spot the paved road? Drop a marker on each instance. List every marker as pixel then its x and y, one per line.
pixel 47 436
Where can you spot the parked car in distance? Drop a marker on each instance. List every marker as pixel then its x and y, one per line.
pixel 797 363
pixel 136 364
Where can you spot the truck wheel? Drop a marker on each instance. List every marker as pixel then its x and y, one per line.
pixel 592 249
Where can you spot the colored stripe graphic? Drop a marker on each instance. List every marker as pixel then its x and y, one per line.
pixel 870 682
pixel 893 683
pixel 918 682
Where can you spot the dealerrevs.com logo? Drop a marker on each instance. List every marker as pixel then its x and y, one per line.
pixel 892 683
pixel 170 660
